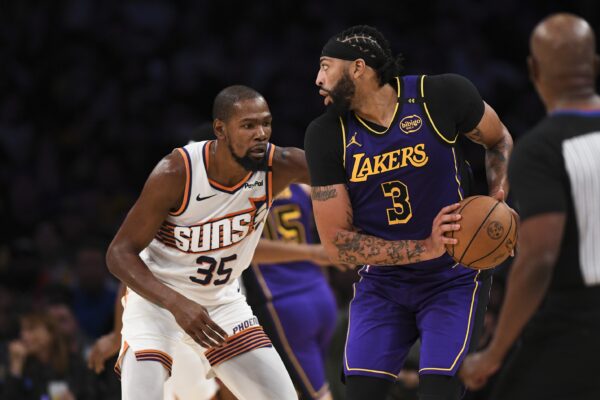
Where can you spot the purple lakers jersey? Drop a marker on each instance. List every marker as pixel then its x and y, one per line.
pixel 290 220
pixel 399 178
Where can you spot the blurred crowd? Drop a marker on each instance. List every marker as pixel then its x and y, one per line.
pixel 93 93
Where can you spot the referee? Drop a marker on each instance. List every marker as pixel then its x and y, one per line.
pixel 553 296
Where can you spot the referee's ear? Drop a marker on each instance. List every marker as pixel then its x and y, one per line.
pixel 533 68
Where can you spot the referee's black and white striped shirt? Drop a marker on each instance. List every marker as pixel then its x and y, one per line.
pixel 556 168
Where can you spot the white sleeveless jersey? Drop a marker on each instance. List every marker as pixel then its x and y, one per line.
pixel 201 249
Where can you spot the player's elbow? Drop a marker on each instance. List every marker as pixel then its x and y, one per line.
pixel 504 142
pixel 112 258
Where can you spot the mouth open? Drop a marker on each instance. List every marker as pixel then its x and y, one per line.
pixel 258 151
pixel 327 98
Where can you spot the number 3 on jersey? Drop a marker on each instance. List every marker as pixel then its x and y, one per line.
pixel 401 212
pixel 207 273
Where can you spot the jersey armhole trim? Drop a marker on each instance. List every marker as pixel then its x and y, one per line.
pixel 270 175
pixel 460 195
pixel 188 182
pixel 440 134
pixel 344 142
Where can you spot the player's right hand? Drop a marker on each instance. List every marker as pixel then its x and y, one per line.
pixel 319 256
pixel 103 349
pixel 445 221
pixel 195 321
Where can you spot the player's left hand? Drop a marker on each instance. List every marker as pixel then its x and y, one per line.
pixel 477 368
pixel 500 196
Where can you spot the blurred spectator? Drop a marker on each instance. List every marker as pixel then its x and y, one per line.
pixel 40 364
pixel 68 327
pixel 94 292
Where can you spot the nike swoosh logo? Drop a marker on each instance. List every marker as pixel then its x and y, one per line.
pixel 204 198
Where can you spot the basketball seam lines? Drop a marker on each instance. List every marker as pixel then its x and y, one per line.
pixel 477 231
pixel 501 242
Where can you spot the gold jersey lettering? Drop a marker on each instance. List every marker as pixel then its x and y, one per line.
pixel 420 158
pixel 364 167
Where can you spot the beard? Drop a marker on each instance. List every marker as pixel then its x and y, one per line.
pixel 342 94
pixel 247 162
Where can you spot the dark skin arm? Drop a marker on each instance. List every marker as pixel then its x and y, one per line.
pixel 493 135
pixel 539 245
pixel 289 166
pixel 277 251
pixel 162 192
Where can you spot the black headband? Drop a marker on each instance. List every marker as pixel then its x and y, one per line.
pixel 345 51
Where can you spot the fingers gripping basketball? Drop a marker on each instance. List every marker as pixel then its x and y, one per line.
pixel 487 234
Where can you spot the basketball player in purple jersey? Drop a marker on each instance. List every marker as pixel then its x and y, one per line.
pixel 383 164
pixel 293 300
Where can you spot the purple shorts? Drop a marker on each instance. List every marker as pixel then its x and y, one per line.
pixel 392 307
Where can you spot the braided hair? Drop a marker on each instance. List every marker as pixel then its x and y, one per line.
pixel 368 43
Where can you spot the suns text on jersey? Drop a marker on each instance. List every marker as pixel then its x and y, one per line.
pixel 218 233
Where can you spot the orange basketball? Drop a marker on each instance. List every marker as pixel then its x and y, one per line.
pixel 487 234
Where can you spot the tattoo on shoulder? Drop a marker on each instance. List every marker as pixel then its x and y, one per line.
pixel 475 135
pixel 323 193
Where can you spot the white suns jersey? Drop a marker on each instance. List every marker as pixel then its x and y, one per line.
pixel 201 249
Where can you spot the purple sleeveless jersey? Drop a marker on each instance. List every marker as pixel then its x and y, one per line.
pixel 398 180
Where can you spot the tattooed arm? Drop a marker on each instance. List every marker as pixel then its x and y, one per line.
pixel 493 135
pixel 333 214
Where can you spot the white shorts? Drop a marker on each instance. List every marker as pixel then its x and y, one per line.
pixel 152 333
pixel 185 383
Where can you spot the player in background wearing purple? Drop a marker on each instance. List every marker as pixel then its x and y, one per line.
pixel 289 292
pixel 383 164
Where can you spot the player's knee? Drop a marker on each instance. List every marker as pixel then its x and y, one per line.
pixel 142 380
pixel 257 374
pixel 439 387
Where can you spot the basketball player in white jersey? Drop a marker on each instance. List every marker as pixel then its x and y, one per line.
pixel 185 242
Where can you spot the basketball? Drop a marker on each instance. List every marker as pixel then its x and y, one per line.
pixel 487 234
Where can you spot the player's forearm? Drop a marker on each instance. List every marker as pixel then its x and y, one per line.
pixel 527 285
pixel 129 268
pixel 496 162
pixel 273 251
pixel 356 248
